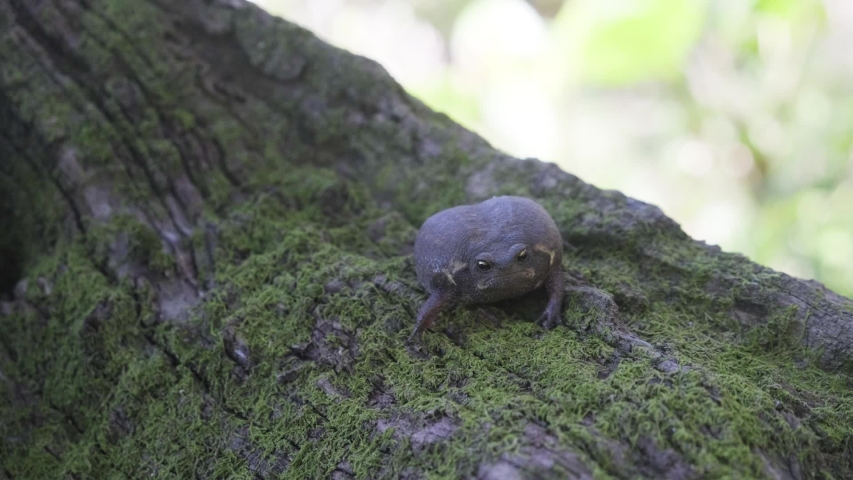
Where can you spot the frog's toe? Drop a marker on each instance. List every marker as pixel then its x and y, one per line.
pixel 549 319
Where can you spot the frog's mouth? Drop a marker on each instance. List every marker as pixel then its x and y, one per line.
pixel 506 279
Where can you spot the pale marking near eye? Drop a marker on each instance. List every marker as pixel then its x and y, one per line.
pixel 449 276
pixel 542 248
pixel 529 273
pixel 457 265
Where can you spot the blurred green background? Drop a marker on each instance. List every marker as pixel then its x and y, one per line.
pixel 733 116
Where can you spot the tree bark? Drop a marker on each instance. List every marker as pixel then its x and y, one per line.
pixel 211 214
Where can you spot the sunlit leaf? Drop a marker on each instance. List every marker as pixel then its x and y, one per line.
pixel 442 96
pixel 800 13
pixel 623 41
pixel 783 8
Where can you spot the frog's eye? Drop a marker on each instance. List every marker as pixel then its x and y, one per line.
pixel 483 265
pixel 522 255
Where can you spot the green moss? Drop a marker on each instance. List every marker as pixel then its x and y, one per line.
pixel 311 276
pixel 781 333
pixel 275 255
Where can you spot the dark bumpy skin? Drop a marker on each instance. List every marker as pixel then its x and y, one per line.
pixel 501 248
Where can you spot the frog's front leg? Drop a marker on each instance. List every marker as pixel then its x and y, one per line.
pixel 550 318
pixel 429 311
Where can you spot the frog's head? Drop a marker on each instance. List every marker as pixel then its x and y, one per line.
pixel 508 271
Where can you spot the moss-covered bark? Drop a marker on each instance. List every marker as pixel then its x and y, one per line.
pixel 214 212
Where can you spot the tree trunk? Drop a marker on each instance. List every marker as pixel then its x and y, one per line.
pixel 213 211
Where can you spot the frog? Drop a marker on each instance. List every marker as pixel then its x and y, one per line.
pixel 482 253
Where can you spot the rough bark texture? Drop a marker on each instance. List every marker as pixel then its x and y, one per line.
pixel 213 213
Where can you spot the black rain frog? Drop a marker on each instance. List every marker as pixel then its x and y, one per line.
pixel 501 248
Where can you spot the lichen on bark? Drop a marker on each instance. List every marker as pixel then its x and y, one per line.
pixel 215 213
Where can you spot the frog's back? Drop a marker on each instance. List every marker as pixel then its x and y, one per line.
pixel 519 220
pixel 441 240
pixel 452 237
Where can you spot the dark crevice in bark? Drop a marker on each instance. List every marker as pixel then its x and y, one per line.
pixel 223 58
pixel 10 352
pixel 8 474
pixel 78 70
pixel 171 357
pixel 58 458
pixel 293 444
pixel 193 267
pixel 251 132
pixel 316 410
pixel 168 126
pixel 66 195
pixel 17 139
pixel 68 418
pixel 200 379
pixel 221 158
pixel 52 454
pixel 81 105
pixel 11 250
pixel 114 27
pixel 11 258
pixel 210 242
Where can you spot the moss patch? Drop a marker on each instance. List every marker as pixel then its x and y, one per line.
pixel 328 379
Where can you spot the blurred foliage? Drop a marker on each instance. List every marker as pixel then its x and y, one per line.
pixel 734 116
pixel 618 43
